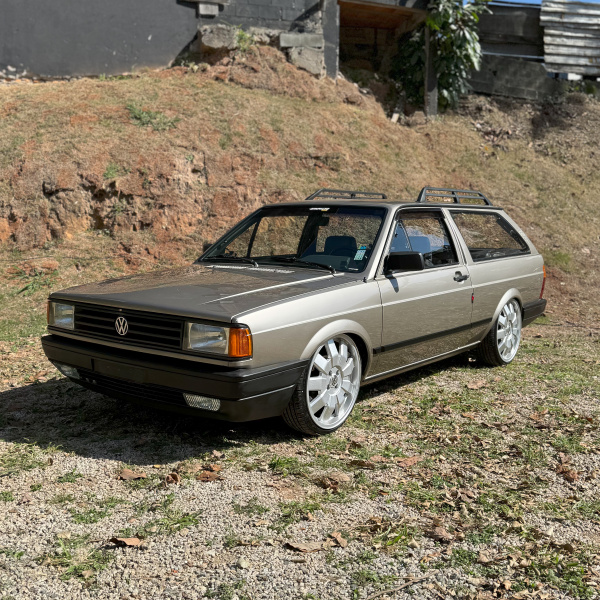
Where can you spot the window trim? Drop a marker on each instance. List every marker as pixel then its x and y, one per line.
pixel 498 215
pixel 369 266
pixel 455 240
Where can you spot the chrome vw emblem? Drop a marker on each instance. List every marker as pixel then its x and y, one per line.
pixel 121 325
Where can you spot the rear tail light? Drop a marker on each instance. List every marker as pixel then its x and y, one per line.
pixel 543 282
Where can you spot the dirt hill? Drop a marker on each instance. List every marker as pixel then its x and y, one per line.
pixel 163 161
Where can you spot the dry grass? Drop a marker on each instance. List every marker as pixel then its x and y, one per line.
pixel 73 158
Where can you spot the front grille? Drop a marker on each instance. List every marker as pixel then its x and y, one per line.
pixel 112 386
pixel 144 329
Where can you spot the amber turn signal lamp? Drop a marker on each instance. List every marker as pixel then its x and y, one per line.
pixel 48 311
pixel 543 282
pixel 240 342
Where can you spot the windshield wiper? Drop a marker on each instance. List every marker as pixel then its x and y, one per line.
pixel 232 258
pixel 293 259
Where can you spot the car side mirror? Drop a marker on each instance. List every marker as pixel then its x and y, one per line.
pixel 206 246
pixel 404 261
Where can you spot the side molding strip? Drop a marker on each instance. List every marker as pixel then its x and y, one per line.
pixel 431 336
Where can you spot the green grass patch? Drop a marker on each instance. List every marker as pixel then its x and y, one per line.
pixel 89 516
pixel 293 512
pixel 70 477
pixel 23 457
pixel 76 558
pixel 287 465
pixel 251 508
pixel 157 120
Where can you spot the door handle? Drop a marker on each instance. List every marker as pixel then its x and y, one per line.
pixel 458 276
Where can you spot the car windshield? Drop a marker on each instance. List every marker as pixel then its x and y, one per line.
pixel 334 237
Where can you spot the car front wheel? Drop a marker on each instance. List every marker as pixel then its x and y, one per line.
pixel 502 342
pixel 328 388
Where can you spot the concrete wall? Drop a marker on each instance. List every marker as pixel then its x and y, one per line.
pixel 57 38
pixel 285 15
pixel 62 38
pixel 517 78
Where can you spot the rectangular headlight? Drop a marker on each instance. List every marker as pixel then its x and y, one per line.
pixel 61 315
pixel 207 338
pixel 229 341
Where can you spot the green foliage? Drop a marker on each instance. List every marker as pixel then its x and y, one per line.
pixel 456 49
pixel 6 497
pixel 76 558
pixel 89 516
pixel 22 457
pixel 244 40
pixel 287 465
pixel 70 477
pixel 113 170
pixel 35 280
pixel 149 118
pixel 16 554
pixel 252 507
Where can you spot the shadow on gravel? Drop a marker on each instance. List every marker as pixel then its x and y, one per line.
pixel 61 413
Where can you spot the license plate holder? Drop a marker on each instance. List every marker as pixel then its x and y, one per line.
pixel 120 371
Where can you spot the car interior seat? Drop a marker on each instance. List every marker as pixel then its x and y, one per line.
pixel 420 243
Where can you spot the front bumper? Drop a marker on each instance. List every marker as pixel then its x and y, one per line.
pixel 159 382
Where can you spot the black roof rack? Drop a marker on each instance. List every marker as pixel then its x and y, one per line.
pixel 330 194
pixel 428 193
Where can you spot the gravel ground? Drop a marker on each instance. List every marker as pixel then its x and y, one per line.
pixel 450 482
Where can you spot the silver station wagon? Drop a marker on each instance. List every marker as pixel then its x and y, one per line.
pixel 296 307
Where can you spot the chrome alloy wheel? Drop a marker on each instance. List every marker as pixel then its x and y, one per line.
pixel 508 335
pixel 333 382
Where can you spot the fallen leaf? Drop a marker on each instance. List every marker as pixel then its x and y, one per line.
pixel 440 535
pixel 87 573
pixel 217 454
pixel 188 469
pixel 477 384
pixel 305 547
pixel 483 559
pixel 125 542
pixel 173 478
pixel 569 474
pixel 409 461
pixel 213 468
pixel 208 476
pixel 378 459
pixel 341 542
pixel 129 475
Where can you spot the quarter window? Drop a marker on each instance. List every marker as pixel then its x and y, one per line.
pixel 425 233
pixel 488 235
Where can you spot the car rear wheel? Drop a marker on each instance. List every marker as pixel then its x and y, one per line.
pixel 502 342
pixel 328 388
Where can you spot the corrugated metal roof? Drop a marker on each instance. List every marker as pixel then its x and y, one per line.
pixel 571 37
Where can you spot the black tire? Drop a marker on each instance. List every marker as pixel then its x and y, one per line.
pixel 297 414
pixel 488 351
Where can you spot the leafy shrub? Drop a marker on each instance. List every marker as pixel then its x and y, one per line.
pixel 456 48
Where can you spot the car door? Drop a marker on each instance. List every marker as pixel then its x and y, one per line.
pixel 425 313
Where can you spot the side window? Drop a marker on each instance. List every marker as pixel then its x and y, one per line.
pixel 426 233
pixel 488 235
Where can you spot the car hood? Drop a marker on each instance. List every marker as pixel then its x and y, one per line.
pixel 219 292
